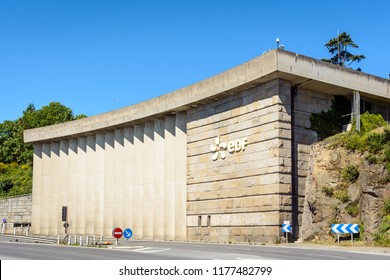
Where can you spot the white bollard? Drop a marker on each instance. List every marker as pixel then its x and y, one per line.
pixel 94 240
pixel 81 241
pixel 27 230
pixel 14 230
pixel 87 241
pixel 69 240
pixel 75 239
pixel 2 228
pixel 101 238
pixel 58 239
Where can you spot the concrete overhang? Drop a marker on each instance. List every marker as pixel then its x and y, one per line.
pixel 300 70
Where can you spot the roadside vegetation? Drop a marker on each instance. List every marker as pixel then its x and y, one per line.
pixel 373 143
pixel 15 156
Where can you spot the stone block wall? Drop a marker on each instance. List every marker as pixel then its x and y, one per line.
pixel 17 212
pixel 247 195
pixel 306 102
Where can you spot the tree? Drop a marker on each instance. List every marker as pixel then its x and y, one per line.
pixel 15 155
pixel 12 146
pixel 338 47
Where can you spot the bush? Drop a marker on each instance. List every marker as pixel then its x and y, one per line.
pixel 386 206
pixel 375 142
pixel 353 209
pixel 330 122
pixel 15 179
pixel 353 141
pixel 350 173
pixel 386 154
pixel 371 159
pixel 341 195
pixel 383 236
pixel 328 191
pixel 369 121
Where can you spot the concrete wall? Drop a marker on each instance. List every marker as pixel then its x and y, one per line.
pixel 246 196
pixel 17 212
pixel 129 177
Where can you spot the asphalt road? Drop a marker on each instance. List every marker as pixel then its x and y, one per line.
pixel 148 250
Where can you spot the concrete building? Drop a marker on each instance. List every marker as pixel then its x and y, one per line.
pixel 223 160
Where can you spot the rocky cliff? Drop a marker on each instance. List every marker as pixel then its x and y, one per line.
pixel 343 187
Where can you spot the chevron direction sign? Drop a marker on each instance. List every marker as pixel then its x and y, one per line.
pixel 345 228
pixel 286 228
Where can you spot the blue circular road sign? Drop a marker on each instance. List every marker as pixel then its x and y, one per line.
pixel 127 233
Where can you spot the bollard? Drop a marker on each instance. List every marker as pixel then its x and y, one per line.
pixel 58 239
pixel 101 238
pixel 14 230
pixel 87 241
pixel 81 241
pixel 94 240
pixel 2 228
pixel 69 240
pixel 27 230
pixel 75 239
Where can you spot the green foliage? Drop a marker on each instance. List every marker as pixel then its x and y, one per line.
pixel 370 121
pixel 386 206
pixel 330 122
pixel 386 154
pixel 350 173
pixel 328 191
pixel 368 140
pixel 341 195
pixel 338 47
pixel 371 159
pixel 16 156
pixel 383 236
pixel 12 146
pixel 15 179
pixel 353 209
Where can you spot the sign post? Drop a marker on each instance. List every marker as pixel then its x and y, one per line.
pixel 345 228
pixel 286 227
pixel 64 216
pixel 117 233
pixel 127 233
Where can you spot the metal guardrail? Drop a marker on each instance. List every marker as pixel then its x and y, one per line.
pixel 23 238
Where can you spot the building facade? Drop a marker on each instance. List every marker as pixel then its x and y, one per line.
pixel 223 160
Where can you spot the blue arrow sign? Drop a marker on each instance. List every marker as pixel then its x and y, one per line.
pixel 127 233
pixel 345 228
pixel 286 228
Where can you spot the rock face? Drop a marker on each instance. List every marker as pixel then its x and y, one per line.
pixel 333 198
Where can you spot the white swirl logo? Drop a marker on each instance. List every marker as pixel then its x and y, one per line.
pixel 219 148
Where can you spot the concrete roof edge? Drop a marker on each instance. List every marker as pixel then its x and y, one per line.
pixel 171 102
pixel 251 72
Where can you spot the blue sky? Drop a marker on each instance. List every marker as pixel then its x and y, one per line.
pixel 98 55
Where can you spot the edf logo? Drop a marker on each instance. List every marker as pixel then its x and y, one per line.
pixel 219 148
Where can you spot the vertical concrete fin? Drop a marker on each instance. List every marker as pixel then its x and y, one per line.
pixel 90 189
pixel 109 165
pixel 148 166
pixel 54 209
pixel 128 177
pixel 99 184
pixel 37 190
pixel 169 178
pixel 180 175
pixel 138 163
pixel 45 192
pixel 158 174
pixel 118 178
pixel 81 184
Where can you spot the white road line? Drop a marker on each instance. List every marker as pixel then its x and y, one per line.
pixel 149 250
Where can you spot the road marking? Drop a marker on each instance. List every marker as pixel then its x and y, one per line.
pixel 148 250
